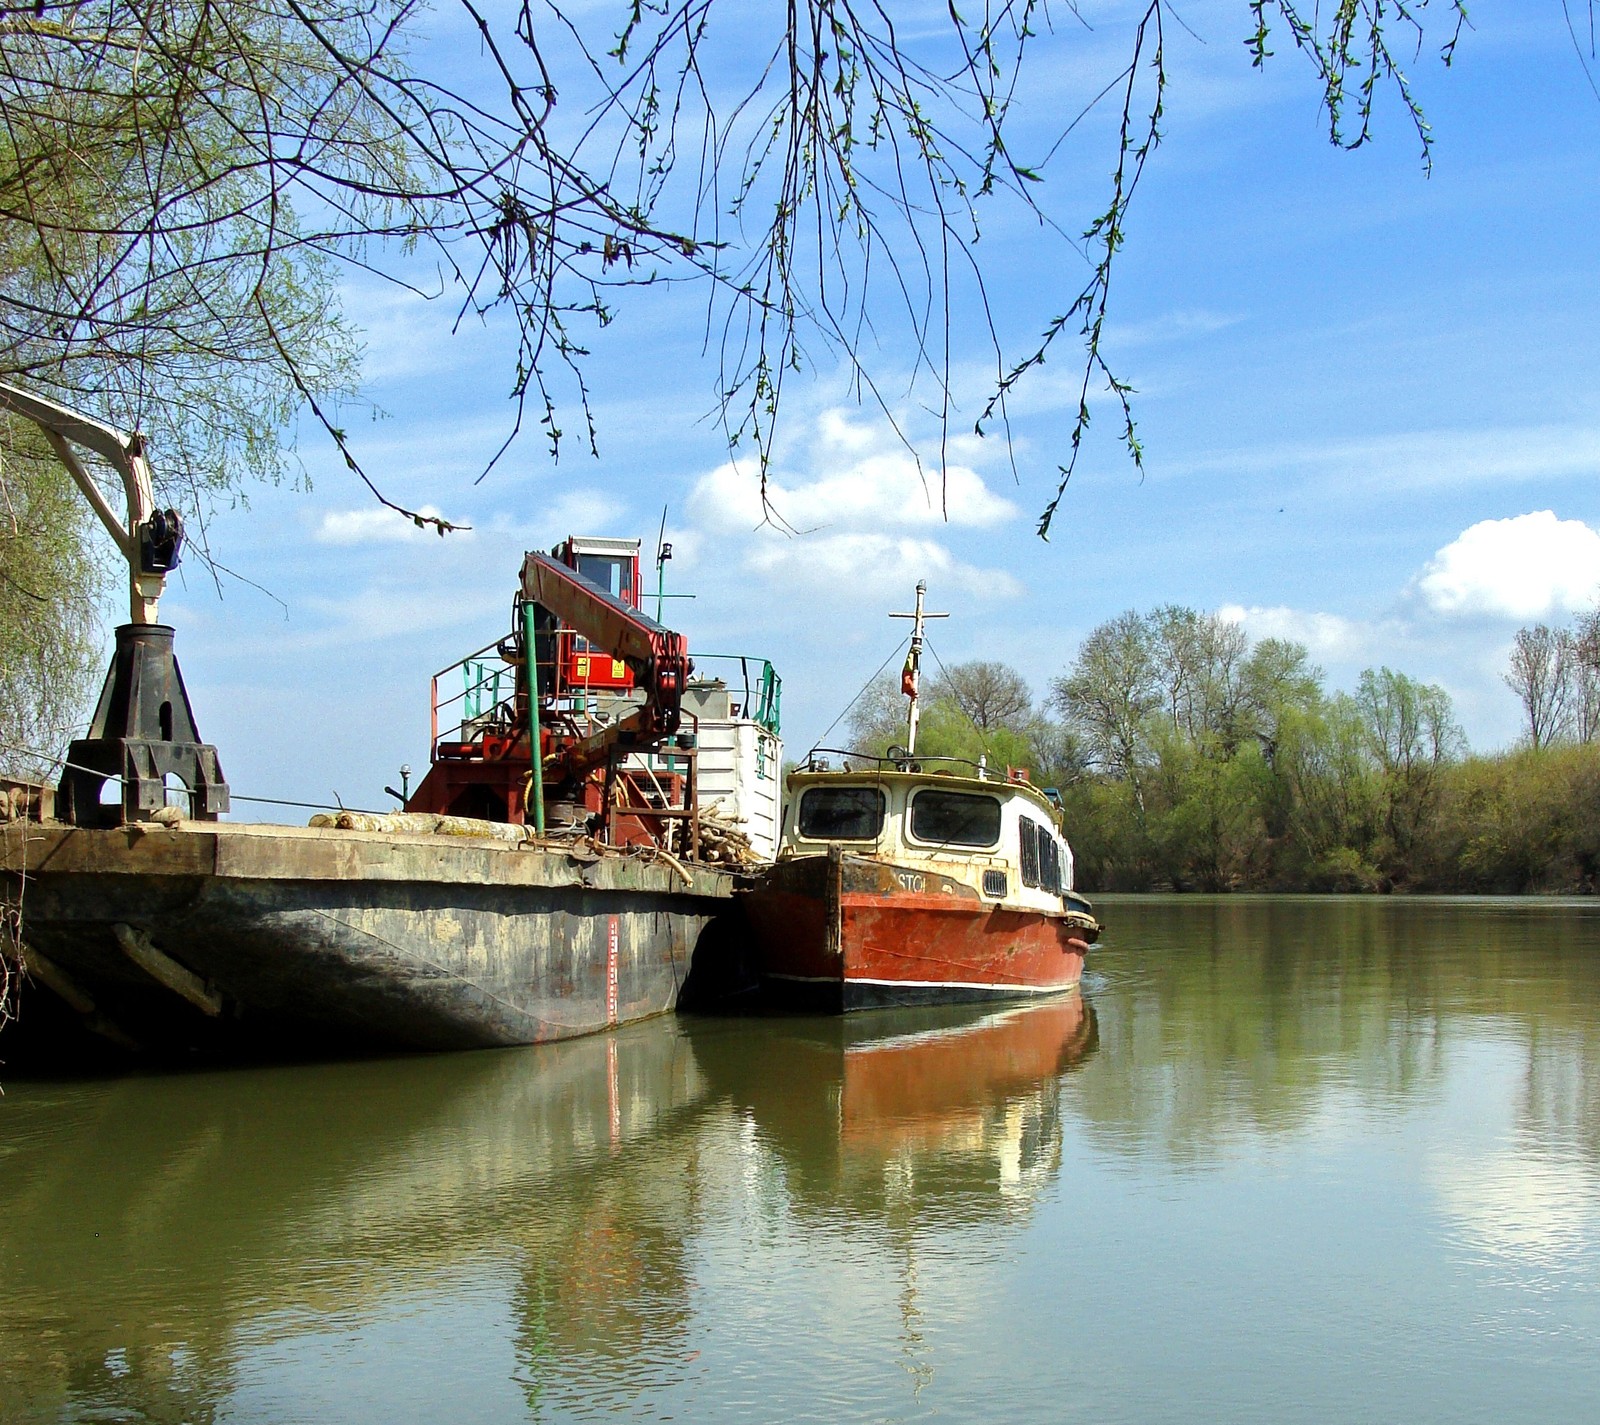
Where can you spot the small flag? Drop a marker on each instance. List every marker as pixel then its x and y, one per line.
pixel 908 675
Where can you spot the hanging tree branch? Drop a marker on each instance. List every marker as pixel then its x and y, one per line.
pixel 183 181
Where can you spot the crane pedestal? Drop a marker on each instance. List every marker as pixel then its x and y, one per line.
pixel 143 732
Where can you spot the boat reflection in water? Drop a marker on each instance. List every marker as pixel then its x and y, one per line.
pixel 187 1247
pixel 1282 1124
pixel 960 1104
pixel 194 1246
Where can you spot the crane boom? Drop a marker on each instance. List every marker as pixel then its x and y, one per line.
pixel 149 538
pixel 658 657
pixel 597 682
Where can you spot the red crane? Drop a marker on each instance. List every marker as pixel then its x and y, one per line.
pixel 605 682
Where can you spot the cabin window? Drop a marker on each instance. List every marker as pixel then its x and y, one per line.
pixel 1030 852
pixel 955 818
pixel 613 573
pixel 1041 857
pixel 1049 862
pixel 841 813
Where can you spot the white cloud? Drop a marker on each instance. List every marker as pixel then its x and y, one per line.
pixel 576 512
pixel 870 569
pixel 1173 326
pixel 546 520
pixel 861 481
pixel 375 525
pixel 1329 637
pixel 379 612
pixel 1528 566
pixel 855 528
pixel 403 332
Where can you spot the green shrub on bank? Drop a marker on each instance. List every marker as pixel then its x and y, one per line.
pixel 1527 820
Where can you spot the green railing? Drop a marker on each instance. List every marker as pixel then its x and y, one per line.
pixel 486 687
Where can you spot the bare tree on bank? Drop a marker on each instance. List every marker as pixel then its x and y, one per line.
pixel 1584 665
pixel 1540 674
pixel 1555 674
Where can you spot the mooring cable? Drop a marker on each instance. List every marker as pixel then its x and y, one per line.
pixel 64 764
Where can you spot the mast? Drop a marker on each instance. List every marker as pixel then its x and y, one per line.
pixel 911 674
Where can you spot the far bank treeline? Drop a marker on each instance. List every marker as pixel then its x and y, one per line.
pixel 1190 758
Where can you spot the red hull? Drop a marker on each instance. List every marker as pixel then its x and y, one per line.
pixel 844 932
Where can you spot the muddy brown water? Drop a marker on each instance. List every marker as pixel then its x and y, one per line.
pixel 1285 1160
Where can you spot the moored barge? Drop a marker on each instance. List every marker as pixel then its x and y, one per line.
pixel 547 878
pixel 253 941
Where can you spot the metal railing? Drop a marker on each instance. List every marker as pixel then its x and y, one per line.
pixel 480 694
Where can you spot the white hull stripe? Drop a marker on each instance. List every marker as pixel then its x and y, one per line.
pixel 927 984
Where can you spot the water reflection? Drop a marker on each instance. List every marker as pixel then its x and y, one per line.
pixel 1231 1020
pixel 167 1236
pixel 1303 1120
pixel 161 1230
pixel 951 1117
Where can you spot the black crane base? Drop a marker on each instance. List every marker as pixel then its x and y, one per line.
pixel 143 733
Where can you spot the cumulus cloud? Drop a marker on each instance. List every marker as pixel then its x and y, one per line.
pixel 375 525
pixel 859 480
pixel 871 568
pixel 1330 637
pixel 856 525
pixel 576 512
pixel 1528 566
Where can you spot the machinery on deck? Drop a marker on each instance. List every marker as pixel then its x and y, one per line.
pixel 604 685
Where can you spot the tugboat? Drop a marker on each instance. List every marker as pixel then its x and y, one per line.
pixel 904 880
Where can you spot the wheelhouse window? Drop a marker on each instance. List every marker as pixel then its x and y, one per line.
pixel 1049 862
pixel 955 818
pixel 1041 856
pixel 1030 851
pixel 841 813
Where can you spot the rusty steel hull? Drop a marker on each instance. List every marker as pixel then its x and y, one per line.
pixel 837 933
pixel 238 941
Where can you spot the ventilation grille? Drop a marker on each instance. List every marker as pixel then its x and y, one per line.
pixel 994 883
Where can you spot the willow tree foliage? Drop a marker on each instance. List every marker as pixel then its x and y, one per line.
pixel 814 164
pixel 51 566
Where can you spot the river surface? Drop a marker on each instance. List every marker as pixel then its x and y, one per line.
pixel 1285 1160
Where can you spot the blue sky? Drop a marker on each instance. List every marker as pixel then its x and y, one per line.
pixel 1369 399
